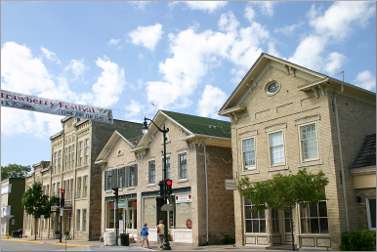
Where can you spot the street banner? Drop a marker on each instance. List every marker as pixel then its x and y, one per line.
pixel 34 103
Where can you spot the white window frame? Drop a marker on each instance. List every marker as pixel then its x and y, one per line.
pixel 179 165
pixel 155 171
pixel 269 148
pixel 300 145
pixel 251 167
pixel 368 214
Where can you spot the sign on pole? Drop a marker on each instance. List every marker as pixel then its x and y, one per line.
pixel 230 184
pixel 34 103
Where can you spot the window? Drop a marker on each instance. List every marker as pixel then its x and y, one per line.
pixel 131 173
pixel 121 177
pixel 277 148
pixel 79 154
pixel 182 165
pixel 85 186
pixel 86 151
pixel 275 220
pixel 314 217
pixel 65 167
pixel 248 153
pixel 78 187
pixel 151 172
pixel 78 212
pixel 108 179
pixel 83 220
pixel 59 160
pixel 371 212
pixel 110 214
pixel 308 141
pixel 255 221
pixel 72 156
pixel 168 170
pixel 287 220
pixel 54 162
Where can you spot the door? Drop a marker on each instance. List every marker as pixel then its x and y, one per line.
pixel 287 231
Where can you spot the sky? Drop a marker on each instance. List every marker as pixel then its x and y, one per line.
pixel 138 57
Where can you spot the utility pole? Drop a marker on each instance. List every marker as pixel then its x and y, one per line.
pixel 61 213
pixel 116 190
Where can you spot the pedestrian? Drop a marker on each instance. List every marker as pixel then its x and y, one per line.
pixel 144 235
pixel 161 232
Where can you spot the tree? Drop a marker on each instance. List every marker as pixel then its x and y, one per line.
pixel 14 170
pixel 283 192
pixel 36 204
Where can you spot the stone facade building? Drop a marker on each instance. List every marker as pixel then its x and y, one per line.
pixel 11 209
pixel 73 152
pixel 199 162
pixel 285 118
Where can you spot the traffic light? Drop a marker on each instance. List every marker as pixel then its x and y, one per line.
pixel 161 184
pixel 169 185
pixel 62 198
pixel 115 191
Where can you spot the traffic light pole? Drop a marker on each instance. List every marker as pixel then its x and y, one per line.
pixel 115 189
pixel 61 214
pixel 165 244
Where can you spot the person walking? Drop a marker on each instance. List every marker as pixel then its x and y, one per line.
pixel 161 232
pixel 144 235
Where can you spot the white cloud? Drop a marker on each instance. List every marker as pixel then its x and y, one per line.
pixel 337 21
pixel 211 100
pixel 115 42
pixel 266 7
pixel 208 6
pixel 147 36
pixel 22 72
pixel 140 4
pixel 228 22
pixel 50 55
pixel 334 24
pixel 194 53
pixel 249 13
pixel 109 85
pixel 367 80
pixel 288 29
pixel 134 110
pixel 335 62
pixel 76 68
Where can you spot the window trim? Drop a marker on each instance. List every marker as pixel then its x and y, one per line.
pixel 254 167
pixel 179 165
pixel 302 160
pixel 369 219
pixel 155 171
pixel 269 148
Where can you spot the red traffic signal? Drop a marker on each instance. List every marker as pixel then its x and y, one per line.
pixel 169 183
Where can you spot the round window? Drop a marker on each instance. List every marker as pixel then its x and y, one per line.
pixel 272 88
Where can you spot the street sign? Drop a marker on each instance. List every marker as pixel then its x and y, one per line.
pixel 39 104
pixel 61 211
pixel 167 207
pixel 230 184
pixel 122 203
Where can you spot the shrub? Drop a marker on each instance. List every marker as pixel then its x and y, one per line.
pixel 359 241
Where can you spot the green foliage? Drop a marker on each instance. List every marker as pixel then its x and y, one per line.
pixel 359 241
pixel 35 202
pixel 14 171
pixel 284 191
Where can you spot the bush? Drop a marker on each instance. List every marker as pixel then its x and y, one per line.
pixel 359 241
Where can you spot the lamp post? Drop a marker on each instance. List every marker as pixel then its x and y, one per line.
pixel 164 131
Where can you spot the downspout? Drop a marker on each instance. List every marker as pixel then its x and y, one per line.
pixel 206 178
pixel 341 161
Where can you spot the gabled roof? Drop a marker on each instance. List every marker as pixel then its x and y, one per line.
pixel 367 154
pixel 199 125
pixel 231 103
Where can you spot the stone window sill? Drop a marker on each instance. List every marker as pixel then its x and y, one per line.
pixel 182 180
pixel 278 168
pixel 310 163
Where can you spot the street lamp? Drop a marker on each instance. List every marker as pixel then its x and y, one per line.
pixel 164 131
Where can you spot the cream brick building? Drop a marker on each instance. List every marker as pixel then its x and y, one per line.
pixel 199 161
pixel 73 152
pixel 284 118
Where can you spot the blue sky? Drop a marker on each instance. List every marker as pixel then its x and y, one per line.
pixel 185 56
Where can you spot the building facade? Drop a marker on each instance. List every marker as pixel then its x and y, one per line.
pixel 41 174
pixel 285 118
pixel 11 209
pixel 73 152
pixel 198 161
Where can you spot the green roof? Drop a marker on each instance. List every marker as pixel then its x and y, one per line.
pixel 201 125
pixel 131 131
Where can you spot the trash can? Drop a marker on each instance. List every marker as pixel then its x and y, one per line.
pixel 109 238
pixel 125 239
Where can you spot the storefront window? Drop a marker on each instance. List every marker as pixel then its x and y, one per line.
pixel 110 214
pixel 255 220
pixel 314 217
pixel 149 211
pixel 371 213
pixel 275 220
pixel 287 219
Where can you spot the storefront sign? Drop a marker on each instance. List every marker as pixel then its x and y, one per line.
pixel 183 198
pixel 230 184
pixel 122 203
pixel 34 103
